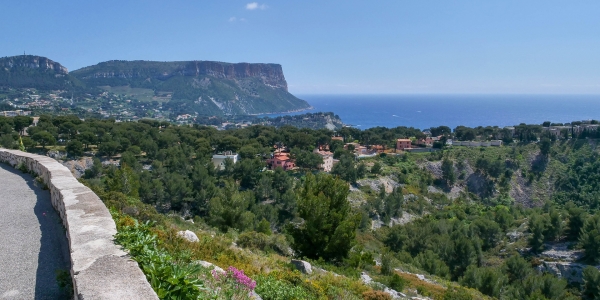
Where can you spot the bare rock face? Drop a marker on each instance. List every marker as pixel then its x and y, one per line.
pixel 188 235
pixel 302 266
pixel 33 62
pixel 78 167
pixel 570 271
pixel 270 74
pixel 212 266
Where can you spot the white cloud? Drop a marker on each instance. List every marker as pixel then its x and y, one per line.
pixel 255 5
pixel 232 19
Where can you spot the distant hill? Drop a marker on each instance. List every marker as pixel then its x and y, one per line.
pixel 204 87
pixel 31 71
pixel 185 87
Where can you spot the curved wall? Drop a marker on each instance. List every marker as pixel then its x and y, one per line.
pixel 99 268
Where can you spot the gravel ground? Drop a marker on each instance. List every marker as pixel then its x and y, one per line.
pixel 33 244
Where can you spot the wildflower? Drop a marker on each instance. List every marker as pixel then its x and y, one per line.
pixel 241 278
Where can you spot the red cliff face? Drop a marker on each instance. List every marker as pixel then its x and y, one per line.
pixel 33 62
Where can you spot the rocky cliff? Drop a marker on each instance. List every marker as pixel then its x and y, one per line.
pixel 270 74
pixel 31 71
pixel 32 62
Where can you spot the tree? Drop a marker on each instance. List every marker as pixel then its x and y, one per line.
pixel 22 122
pixel 124 180
pixel 545 145
pixel 7 141
pixel 537 228
pixel 577 218
pixel 44 138
pixel 376 168
pixel 74 148
pixel 109 148
pixel 229 143
pixel 231 209
pixel 329 226
pixel 590 239
pixel 307 160
pixel 591 283
pixel 87 138
pixel 448 171
pixel 516 268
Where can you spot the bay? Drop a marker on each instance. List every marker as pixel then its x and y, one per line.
pixel 424 111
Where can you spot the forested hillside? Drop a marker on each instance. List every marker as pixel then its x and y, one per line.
pixel 518 221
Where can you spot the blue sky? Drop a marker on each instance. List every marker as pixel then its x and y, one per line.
pixel 338 47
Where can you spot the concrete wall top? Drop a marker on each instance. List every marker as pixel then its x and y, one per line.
pixel 100 269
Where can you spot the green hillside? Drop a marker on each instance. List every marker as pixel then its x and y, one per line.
pixel 208 88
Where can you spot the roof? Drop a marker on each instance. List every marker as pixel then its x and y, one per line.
pixel 404 140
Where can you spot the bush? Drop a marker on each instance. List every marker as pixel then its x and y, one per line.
pixel 168 279
pixel 376 295
pixel 397 283
pixel 457 294
pixel 261 241
pixel 270 288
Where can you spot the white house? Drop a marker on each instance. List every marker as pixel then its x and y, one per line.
pixel 219 159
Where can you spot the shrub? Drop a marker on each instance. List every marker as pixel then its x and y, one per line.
pixel 169 279
pixel 270 288
pixel 261 241
pixel 376 295
pixel 457 294
pixel 397 283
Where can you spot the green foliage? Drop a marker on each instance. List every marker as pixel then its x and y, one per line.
pixel 329 227
pixel 487 280
pixel 448 171
pixel 271 288
pixel 387 262
pixel 537 228
pixel 44 138
pixel 457 294
pixel 591 283
pixel 230 209
pixel 170 280
pixel 74 148
pixel 124 180
pixel 376 168
pixel 397 283
pixel 307 160
pixel 589 239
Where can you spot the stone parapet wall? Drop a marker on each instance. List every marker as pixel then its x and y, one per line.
pixel 99 268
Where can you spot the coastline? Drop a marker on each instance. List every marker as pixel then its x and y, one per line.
pixel 284 112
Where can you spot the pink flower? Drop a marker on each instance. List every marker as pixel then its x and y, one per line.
pixel 241 278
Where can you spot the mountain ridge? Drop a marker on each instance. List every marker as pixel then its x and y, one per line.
pixel 201 87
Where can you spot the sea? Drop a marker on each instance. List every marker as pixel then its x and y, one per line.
pixel 425 111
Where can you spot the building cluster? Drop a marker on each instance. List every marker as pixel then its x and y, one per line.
pixel 560 130
pixel 14 113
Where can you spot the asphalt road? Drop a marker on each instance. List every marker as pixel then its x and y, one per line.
pixel 33 244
